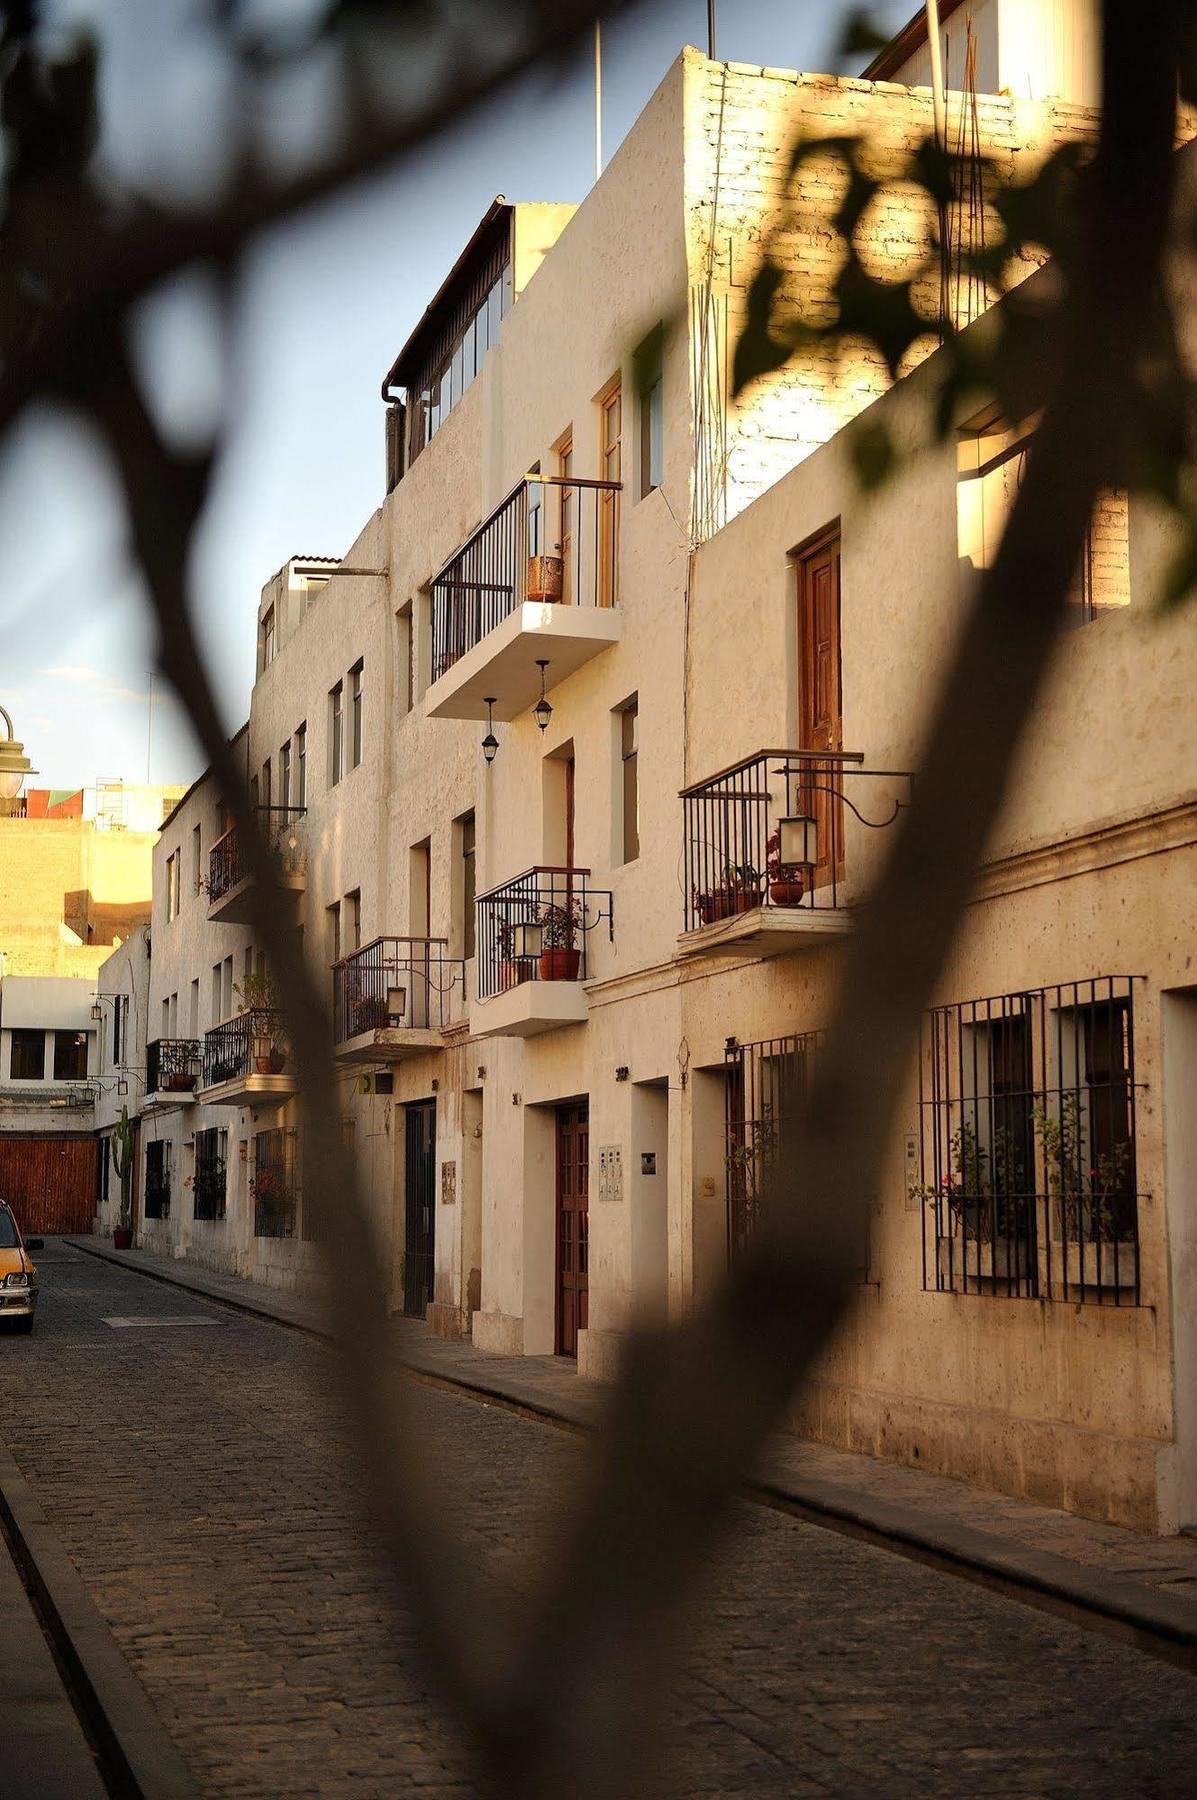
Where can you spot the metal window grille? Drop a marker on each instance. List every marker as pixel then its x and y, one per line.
pixel 157 1180
pixel 1029 1179
pixel 274 1184
pixel 519 553
pixel 764 1082
pixel 397 983
pixel 210 1181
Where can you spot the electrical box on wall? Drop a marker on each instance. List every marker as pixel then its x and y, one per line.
pixel 610 1172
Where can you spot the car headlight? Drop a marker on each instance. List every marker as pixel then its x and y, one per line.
pixel 20 1279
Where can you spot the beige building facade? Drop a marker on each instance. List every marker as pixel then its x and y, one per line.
pixel 575 766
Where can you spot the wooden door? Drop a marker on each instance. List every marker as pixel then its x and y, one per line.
pixel 820 697
pixel 420 1206
pixel 573 1238
pixel 49 1182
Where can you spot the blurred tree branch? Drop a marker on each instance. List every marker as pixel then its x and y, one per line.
pixel 567 1699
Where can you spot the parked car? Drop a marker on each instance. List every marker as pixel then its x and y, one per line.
pixel 18 1277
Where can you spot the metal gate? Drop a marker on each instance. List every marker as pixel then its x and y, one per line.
pixel 573 1224
pixel 420 1192
pixel 50 1183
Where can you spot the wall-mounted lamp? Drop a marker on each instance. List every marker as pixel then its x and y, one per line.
pixel 490 743
pixel 798 840
pixel 542 712
pixel 122 1086
pixel 527 940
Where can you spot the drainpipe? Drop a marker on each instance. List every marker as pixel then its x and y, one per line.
pixel 938 100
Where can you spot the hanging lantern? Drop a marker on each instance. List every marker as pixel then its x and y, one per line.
pixel 490 743
pixel 396 1005
pixel 527 939
pixel 799 841
pixel 542 712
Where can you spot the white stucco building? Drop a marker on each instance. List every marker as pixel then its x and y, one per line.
pixel 525 753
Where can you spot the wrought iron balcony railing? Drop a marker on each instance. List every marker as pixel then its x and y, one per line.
pixel 553 539
pixel 254 1043
pixel 397 982
pixel 172 1065
pixel 784 829
pixel 535 928
pixel 226 865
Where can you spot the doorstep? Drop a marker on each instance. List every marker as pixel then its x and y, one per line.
pixel 1145 1583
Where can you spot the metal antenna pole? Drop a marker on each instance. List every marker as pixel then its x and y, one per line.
pixel 598 99
pixel 711 29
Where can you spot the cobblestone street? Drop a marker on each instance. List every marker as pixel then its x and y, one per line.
pixel 195 1474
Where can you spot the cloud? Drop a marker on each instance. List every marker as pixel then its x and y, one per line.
pixel 98 683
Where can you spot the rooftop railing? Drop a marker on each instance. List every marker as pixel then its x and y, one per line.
pixel 536 927
pixel 784 829
pixel 226 865
pixel 554 539
pixel 397 982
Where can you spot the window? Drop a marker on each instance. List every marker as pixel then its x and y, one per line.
pixel 763 1083
pixel 1028 1145
pixel 157 1180
pixel 333 916
pixel 272 1185
pixel 467 883
pixel 197 859
pixel 650 390
pixel 210 1179
pixel 455 352
pixel 70 1056
pixel 284 775
pixel 267 786
pixel 172 885
pixel 118 1010
pixel 217 993
pixel 629 781
pixel 568 507
pixel 268 637
pixel 611 451
pixel 353 919
pixel 301 765
pixel 193 1011
pixel 336 734
pixel 27 1058
pixel 355 715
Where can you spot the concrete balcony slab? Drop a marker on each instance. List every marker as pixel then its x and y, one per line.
pixel 768 931
pixel 529 1009
pixel 388 1044
pixel 503 664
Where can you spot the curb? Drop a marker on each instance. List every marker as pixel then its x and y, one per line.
pixel 138 1760
pixel 1161 1623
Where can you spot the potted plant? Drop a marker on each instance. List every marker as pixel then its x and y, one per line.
pixel 274 1203
pixel 1093 1203
pixel 123 1140
pixel 546 575
pixel 787 881
pixel 737 891
pixel 256 997
pixel 560 956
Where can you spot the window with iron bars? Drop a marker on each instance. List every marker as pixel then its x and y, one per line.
pixel 273 1185
pixel 209 1184
pixel 157 1180
pixel 1029 1180
pixel 763 1083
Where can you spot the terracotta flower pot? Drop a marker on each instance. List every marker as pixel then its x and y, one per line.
pixel 560 964
pixel 276 1061
pixel 545 577
pixel 180 1084
pixel 789 892
pixel 122 1237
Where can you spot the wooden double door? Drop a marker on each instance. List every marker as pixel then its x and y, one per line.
pixel 573 1223
pixel 419 1157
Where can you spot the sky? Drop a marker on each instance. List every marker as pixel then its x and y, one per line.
pixel 322 308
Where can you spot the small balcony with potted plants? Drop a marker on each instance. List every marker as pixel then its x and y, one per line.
pixel 533 957
pixel 780 848
pixel 172 1072
pixel 247 1061
pixel 394 997
pixel 530 597
pixel 231 884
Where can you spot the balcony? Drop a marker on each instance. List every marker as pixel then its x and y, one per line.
pixel 393 998
pixel 247 1061
pixel 537 582
pixel 780 848
pixel 231 885
pixel 172 1069
pixel 533 954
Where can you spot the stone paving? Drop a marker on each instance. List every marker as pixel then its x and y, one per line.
pixel 200 1481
